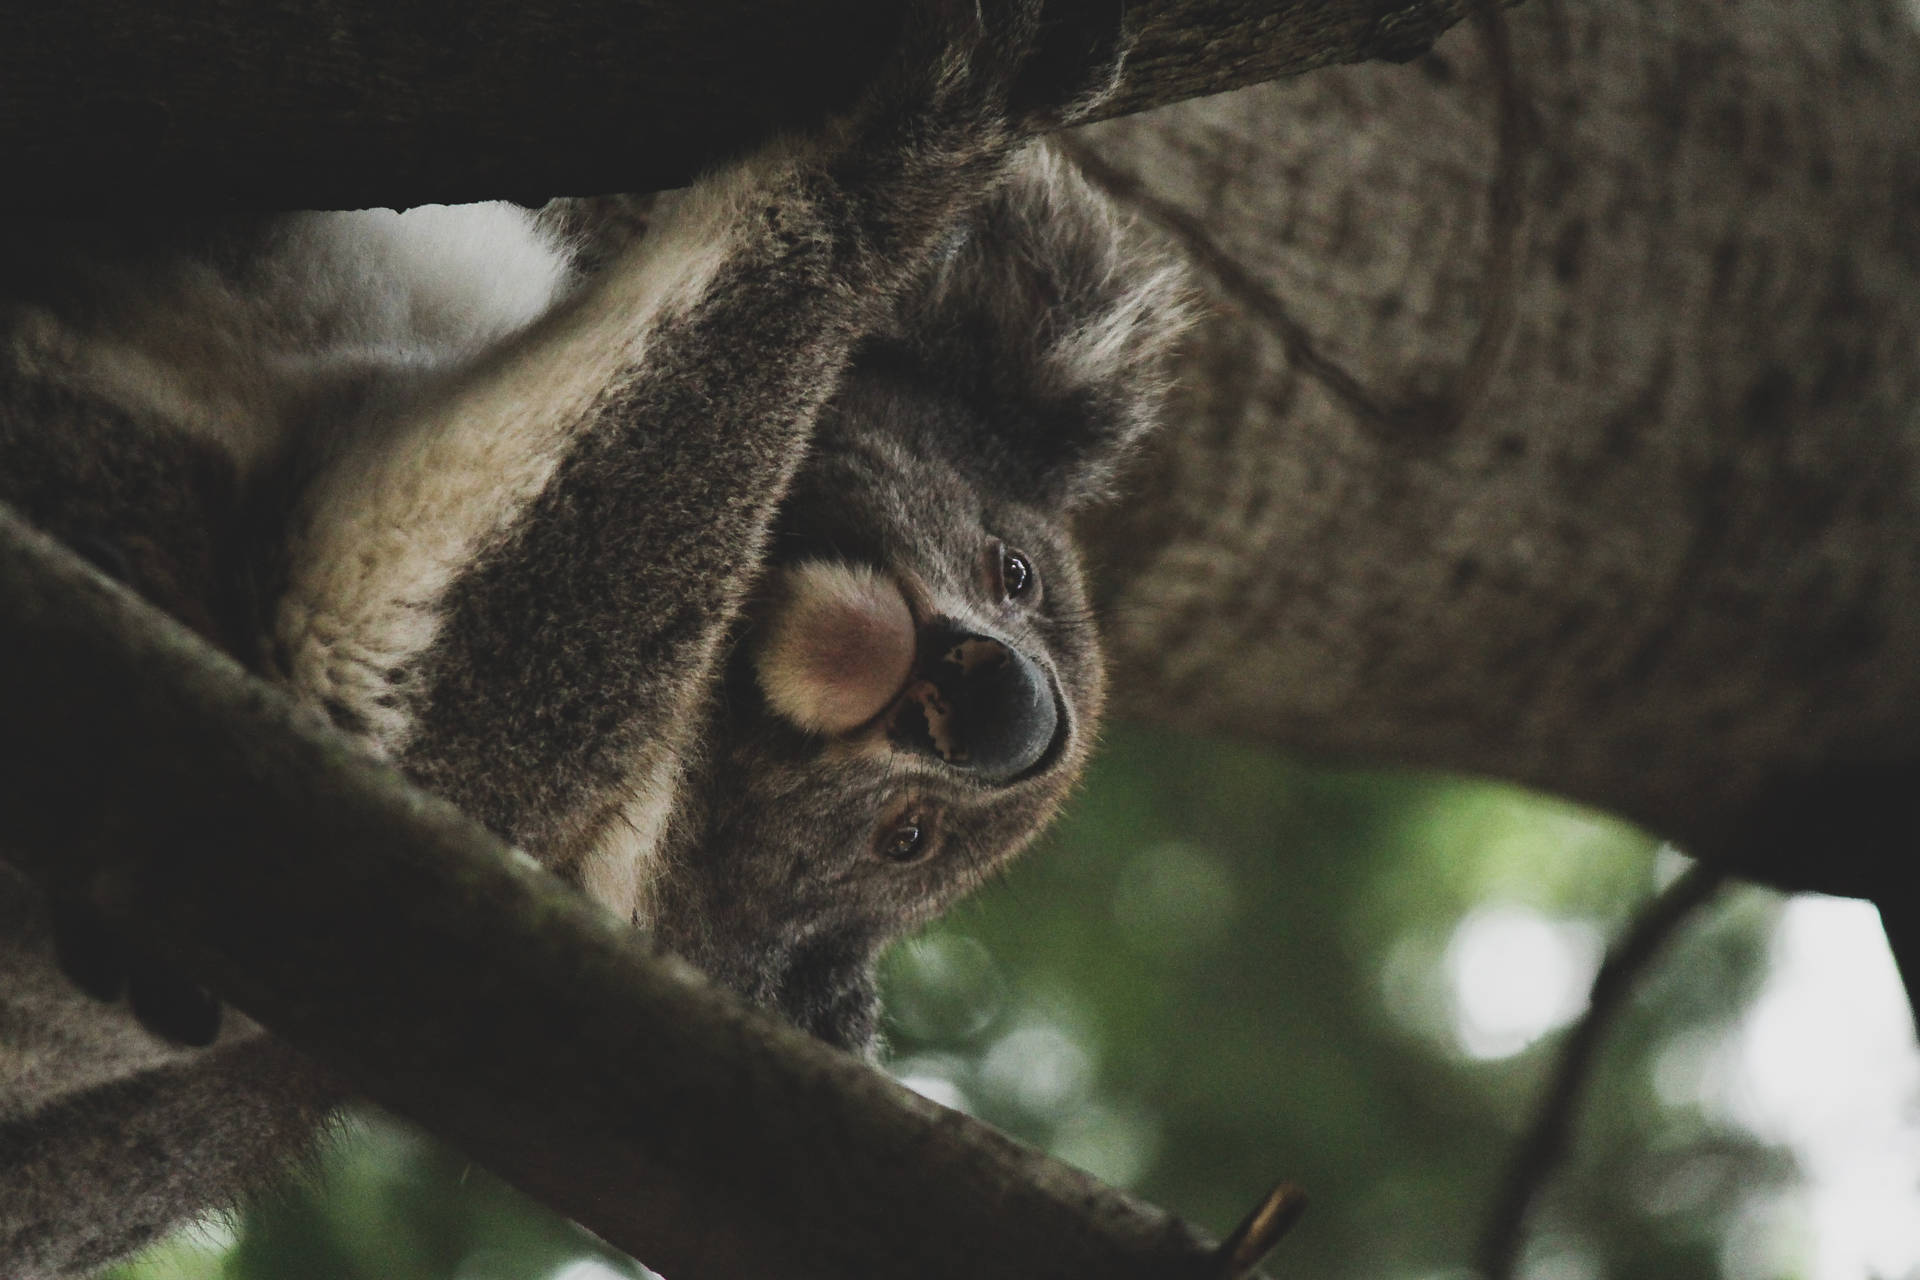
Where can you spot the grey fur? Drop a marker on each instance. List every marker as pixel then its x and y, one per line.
pixel 579 677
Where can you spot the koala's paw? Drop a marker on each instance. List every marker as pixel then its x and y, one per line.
pixel 996 71
pixel 174 1008
pixel 1073 63
pixel 97 960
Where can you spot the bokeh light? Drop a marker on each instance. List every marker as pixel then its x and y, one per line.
pixel 1516 975
pixel 1824 1062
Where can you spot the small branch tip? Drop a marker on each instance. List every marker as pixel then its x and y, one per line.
pixel 1259 1232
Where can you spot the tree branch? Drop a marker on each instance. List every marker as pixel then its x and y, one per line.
pixel 1546 1141
pixel 395 941
pixel 350 103
pixel 1663 555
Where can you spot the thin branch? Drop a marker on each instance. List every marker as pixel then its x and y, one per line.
pixel 1201 246
pixel 1259 1232
pixel 396 942
pixel 1546 1141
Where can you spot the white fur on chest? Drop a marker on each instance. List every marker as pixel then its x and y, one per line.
pixel 433 284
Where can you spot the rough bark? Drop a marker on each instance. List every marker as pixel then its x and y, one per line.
pixel 346 103
pixel 1600 475
pixel 394 940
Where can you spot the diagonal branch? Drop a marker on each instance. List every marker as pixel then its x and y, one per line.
pixel 399 944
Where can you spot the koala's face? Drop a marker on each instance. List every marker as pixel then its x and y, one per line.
pixel 911 695
pixel 915 684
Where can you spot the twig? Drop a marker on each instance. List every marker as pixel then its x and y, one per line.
pixel 1259 1232
pixel 1900 921
pixel 1546 1141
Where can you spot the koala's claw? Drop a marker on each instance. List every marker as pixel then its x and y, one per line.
pixel 1073 64
pixel 88 952
pixel 98 961
pixel 1009 68
pixel 174 1008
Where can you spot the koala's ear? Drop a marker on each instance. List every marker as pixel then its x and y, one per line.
pixel 1052 317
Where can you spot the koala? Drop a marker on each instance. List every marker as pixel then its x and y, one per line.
pixel 714 549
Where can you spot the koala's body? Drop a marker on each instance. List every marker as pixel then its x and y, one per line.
pixel 524 509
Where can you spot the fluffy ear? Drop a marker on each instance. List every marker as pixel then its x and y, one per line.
pixel 1050 317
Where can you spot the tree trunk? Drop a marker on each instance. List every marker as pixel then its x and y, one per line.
pixel 1555 419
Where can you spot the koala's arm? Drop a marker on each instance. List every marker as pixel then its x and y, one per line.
pixel 520 589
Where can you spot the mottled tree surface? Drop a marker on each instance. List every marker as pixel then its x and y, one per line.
pixel 1556 419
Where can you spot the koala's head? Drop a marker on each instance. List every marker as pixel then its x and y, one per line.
pixel 915 686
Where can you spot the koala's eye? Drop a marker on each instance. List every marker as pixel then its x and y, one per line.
pixel 1016 574
pixel 905 842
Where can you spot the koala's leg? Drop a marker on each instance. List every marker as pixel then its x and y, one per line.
pixel 157 510
pixel 80 1184
pixel 520 590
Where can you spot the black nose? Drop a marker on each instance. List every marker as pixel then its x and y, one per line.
pixel 978 704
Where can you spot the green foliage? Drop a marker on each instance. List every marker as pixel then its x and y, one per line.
pixel 384 1203
pixel 1223 969
pixel 1245 960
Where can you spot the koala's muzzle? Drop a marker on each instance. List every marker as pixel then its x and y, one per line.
pixel 979 704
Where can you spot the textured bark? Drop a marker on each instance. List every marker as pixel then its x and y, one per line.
pixel 345 103
pixel 379 930
pixel 1600 477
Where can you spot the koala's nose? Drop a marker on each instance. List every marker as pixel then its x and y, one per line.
pixel 978 704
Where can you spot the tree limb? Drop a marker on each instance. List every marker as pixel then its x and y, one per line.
pixel 1665 558
pixel 394 940
pixel 350 103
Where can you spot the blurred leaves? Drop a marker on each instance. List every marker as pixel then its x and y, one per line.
pixel 1254 955
pixel 383 1202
